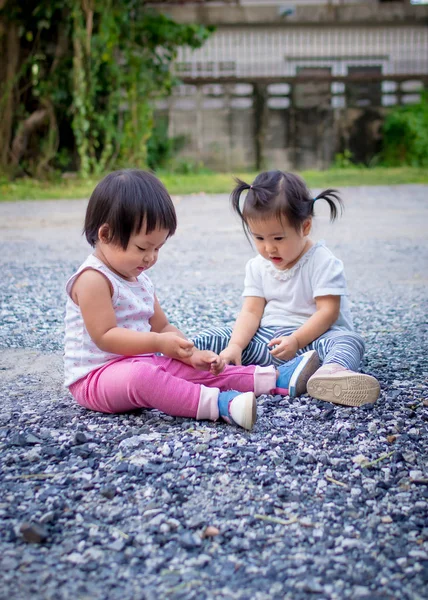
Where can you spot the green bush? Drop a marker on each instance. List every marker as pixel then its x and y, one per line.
pixel 187 166
pixel 161 149
pixel 343 160
pixel 405 135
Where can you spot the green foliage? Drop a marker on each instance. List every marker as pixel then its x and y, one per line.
pixel 126 66
pixel 405 135
pixel 96 67
pixel 36 80
pixel 343 160
pixel 187 166
pixel 161 149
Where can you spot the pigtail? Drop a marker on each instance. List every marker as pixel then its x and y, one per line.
pixel 334 201
pixel 235 197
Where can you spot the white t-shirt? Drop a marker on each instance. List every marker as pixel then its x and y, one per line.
pixel 133 303
pixel 290 294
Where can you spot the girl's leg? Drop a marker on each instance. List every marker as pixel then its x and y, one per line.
pixel 345 348
pixel 337 380
pixel 136 382
pixel 216 339
pixel 257 351
pixel 170 386
pixel 251 378
pixel 294 374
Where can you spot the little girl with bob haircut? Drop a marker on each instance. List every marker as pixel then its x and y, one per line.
pixel 295 293
pixel 121 353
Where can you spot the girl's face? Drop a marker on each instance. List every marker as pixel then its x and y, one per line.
pixel 278 242
pixel 140 254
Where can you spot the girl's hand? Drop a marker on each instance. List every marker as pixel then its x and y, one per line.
pixel 205 360
pixel 232 355
pixel 217 366
pixel 174 346
pixel 285 347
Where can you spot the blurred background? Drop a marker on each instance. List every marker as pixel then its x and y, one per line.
pixel 181 86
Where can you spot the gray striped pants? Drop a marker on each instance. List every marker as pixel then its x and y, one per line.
pixel 334 346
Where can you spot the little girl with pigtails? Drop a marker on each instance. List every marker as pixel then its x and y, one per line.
pixel 295 293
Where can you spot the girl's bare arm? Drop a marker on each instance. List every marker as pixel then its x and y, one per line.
pixel 159 322
pixel 200 359
pixel 92 293
pixel 327 313
pixel 248 321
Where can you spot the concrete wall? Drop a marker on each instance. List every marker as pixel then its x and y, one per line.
pixel 293 138
pixel 257 43
pixel 225 134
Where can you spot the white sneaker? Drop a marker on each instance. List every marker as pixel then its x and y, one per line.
pixel 238 408
pixel 336 384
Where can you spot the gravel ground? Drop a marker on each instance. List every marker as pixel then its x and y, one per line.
pixel 318 501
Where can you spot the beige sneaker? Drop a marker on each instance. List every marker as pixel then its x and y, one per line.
pixel 334 383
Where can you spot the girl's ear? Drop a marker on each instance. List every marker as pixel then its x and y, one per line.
pixel 104 233
pixel 307 226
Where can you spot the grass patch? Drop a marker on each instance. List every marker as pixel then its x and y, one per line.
pixel 211 183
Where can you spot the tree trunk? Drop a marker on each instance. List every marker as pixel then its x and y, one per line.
pixel 9 49
pixel 32 123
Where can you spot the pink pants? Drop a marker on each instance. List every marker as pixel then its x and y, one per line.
pixel 152 381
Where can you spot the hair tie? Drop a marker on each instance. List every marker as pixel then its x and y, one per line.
pixel 314 199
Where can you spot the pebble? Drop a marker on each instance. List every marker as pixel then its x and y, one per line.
pixel 189 540
pixel 210 531
pixel 33 532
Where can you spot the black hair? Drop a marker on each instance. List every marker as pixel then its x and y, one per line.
pixel 125 200
pixel 280 194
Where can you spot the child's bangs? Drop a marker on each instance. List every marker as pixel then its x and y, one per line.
pixel 263 209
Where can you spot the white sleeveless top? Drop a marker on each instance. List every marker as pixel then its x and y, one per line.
pixel 133 303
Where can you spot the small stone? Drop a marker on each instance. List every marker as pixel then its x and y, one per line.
pixel 189 540
pixel 157 520
pixel 118 545
pixel 76 558
pixel 306 522
pixel 108 491
pixel 360 459
pixel 32 439
pixel 210 531
pixel 165 450
pixel 80 438
pixel 47 517
pixel 200 448
pixel 33 532
pixel 122 467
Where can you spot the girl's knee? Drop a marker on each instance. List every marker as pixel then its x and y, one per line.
pixel 213 339
pixel 358 340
